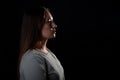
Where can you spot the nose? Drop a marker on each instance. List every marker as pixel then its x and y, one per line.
pixel 54 25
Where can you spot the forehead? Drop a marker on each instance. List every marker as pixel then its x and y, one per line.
pixel 48 15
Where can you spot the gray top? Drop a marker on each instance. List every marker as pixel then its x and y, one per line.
pixel 36 65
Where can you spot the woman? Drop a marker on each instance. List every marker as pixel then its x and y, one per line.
pixel 37 62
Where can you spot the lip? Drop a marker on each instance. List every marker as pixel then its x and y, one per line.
pixel 53 29
pixel 54 32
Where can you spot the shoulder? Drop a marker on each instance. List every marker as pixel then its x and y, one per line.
pixel 32 66
pixel 32 57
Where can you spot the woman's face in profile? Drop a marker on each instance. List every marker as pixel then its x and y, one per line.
pixel 49 27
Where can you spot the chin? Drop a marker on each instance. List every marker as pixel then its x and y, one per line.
pixel 53 36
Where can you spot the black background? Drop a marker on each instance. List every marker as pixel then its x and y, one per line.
pixel 86 30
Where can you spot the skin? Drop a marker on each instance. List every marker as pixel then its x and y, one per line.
pixel 48 32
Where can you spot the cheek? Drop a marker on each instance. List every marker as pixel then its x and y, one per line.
pixel 46 32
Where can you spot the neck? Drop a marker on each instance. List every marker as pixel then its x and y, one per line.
pixel 41 44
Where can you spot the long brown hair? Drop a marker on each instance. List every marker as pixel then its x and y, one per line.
pixel 32 23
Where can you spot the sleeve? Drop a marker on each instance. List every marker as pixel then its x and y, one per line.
pixel 34 69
